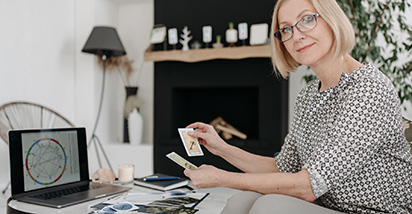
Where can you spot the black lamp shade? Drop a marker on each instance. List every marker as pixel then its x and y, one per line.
pixel 104 41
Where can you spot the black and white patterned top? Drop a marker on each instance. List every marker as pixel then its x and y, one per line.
pixel 351 140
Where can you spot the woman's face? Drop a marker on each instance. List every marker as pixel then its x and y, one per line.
pixel 310 47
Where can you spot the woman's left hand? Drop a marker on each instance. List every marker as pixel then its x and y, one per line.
pixel 205 176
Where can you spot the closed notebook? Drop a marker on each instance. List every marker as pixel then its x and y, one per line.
pixel 163 185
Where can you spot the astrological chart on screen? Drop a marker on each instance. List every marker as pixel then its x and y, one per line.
pixel 50 159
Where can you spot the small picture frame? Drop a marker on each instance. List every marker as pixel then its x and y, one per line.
pixel 259 34
pixel 158 34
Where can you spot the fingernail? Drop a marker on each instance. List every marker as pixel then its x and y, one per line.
pixel 191 132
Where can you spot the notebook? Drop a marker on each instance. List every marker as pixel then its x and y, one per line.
pixel 49 167
pixel 161 184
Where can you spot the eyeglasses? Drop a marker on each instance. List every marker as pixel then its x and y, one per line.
pixel 306 24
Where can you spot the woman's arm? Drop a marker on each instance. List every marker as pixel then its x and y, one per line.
pixel 239 158
pixel 292 184
pixel 248 162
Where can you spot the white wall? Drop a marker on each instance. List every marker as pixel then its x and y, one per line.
pixel 36 53
pixel 42 62
pixel 36 58
pixel 136 20
pixel 133 21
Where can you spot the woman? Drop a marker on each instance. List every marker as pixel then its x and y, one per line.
pixel 346 149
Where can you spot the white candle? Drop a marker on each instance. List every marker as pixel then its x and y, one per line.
pixel 126 173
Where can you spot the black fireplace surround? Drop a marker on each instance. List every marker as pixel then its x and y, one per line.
pixel 244 93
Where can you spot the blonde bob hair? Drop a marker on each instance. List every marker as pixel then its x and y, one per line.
pixel 330 11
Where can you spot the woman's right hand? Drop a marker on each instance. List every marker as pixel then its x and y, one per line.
pixel 208 137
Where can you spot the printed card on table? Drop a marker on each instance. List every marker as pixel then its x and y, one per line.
pixel 190 143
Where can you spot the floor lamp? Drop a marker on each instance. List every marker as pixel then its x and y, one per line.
pixel 103 42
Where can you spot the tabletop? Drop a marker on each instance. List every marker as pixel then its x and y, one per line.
pixel 213 203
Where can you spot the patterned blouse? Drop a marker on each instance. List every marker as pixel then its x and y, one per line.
pixel 351 140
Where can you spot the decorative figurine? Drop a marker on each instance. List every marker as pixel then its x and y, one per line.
pixel 185 38
pixel 218 44
pixel 196 45
pixel 231 35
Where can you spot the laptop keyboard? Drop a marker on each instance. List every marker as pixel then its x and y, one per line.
pixel 60 193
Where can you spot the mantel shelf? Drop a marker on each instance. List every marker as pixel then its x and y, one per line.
pixel 242 52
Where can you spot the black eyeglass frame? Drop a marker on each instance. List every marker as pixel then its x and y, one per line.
pixel 296 26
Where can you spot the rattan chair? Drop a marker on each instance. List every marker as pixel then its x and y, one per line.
pixel 26 115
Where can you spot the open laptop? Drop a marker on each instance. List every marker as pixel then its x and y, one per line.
pixel 50 167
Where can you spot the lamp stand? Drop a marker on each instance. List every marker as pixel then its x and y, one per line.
pixel 6 187
pixel 94 139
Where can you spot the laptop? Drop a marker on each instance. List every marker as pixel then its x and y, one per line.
pixel 49 167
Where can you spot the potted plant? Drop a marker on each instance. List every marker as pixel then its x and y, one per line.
pixel 383 37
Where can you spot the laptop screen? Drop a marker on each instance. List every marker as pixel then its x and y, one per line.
pixel 50 158
pixel 43 158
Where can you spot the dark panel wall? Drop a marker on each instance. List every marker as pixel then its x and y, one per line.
pixel 218 13
pixel 244 92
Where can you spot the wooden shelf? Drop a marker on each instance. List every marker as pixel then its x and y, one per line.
pixel 242 52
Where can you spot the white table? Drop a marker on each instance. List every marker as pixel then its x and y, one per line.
pixel 213 203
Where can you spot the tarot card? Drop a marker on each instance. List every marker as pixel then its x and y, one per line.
pixel 181 161
pixel 191 144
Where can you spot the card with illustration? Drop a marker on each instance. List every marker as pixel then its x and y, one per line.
pixel 190 143
pixel 181 161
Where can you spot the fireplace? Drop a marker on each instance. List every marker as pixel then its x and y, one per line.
pixel 244 93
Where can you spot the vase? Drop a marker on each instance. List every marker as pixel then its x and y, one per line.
pixel 133 120
pixel 231 35
pixel 135 127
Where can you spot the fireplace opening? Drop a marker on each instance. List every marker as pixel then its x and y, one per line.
pixel 239 106
pixel 243 92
